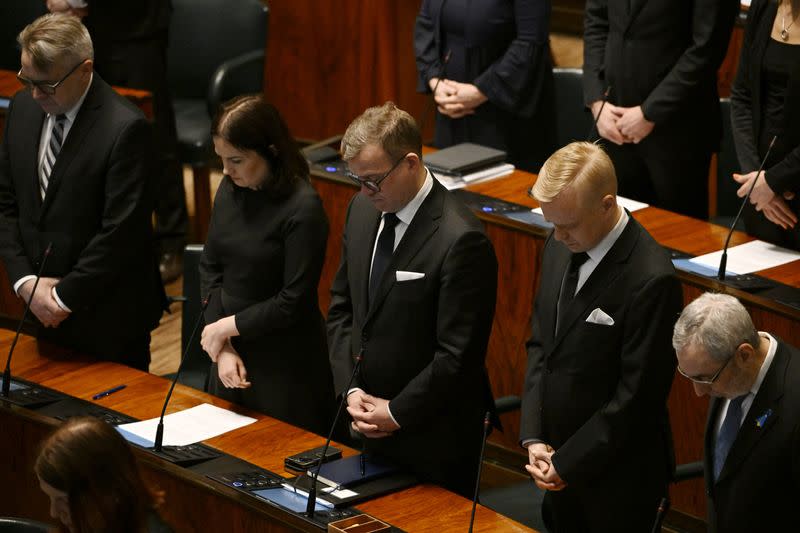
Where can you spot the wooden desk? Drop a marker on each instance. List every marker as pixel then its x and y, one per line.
pixel 193 502
pixel 519 246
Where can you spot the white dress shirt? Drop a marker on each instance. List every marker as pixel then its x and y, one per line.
pixel 600 250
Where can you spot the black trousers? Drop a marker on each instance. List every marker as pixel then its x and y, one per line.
pixel 142 64
pixel 676 180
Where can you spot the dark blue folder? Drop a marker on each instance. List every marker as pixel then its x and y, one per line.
pixel 346 472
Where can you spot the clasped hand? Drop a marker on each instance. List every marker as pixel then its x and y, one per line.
pixel 541 468
pixel 621 125
pixel 764 199
pixel 370 415
pixel 44 305
pixel 216 334
pixel 455 99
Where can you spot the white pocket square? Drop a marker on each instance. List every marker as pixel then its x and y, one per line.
pixel 598 316
pixel 402 275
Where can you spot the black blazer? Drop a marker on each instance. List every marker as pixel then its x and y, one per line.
pixel 96 213
pixel 423 341
pixel 758 487
pixel 747 103
pixel 664 56
pixel 597 393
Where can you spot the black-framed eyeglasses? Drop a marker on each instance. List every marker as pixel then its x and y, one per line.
pixel 712 379
pixel 45 87
pixel 373 185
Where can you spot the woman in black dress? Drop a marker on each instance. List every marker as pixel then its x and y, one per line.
pixel 489 64
pixel 260 270
pixel 765 103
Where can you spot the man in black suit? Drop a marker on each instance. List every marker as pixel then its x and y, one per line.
pixel 752 441
pixel 75 166
pixel 414 297
pixel 658 59
pixel 594 416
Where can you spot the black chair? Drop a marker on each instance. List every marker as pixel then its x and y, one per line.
pixel 216 51
pixel 14 16
pixel 573 120
pixel 22 525
pixel 727 163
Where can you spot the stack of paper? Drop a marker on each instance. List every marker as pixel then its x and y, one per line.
pixel 749 257
pixel 459 182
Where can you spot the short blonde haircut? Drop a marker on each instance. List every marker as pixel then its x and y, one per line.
pixel 584 164
pixel 387 126
pixel 56 38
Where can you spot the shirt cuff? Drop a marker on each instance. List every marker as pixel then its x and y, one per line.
pixel 354 389
pixel 528 442
pixel 389 410
pixel 21 281
pixel 77 3
pixel 59 302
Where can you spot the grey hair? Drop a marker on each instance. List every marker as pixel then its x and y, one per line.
pixel 717 323
pixel 55 38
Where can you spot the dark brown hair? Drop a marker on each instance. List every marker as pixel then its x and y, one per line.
pixel 89 461
pixel 251 123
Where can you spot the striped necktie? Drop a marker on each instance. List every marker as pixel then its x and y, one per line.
pixel 51 153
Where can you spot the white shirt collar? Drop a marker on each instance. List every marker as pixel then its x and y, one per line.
pixel 406 214
pixel 773 347
pixel 600 250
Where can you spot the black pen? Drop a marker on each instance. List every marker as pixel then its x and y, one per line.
pixel 363 464
pixel 107 392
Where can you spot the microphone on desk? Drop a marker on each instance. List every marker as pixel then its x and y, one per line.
pixel 312 491
pixel 487 424
pixel 427 110
pixel 663 507
pixel 597 118
pixel 7 371
pixel 158 444
pixel 723 262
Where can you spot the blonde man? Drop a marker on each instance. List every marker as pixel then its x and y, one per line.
pixel 594 417
pixel 74 168
pixel 414 296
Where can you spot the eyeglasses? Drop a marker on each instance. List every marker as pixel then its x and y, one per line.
pixel 373 185
pixel 712 379
pixel 46 88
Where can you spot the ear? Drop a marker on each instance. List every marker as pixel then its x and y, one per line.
pixel 413 160
pixel 745 352
pixel 609 201
pixel 87 66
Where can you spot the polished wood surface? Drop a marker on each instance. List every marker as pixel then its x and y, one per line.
pixel 194 503
pixel 519 246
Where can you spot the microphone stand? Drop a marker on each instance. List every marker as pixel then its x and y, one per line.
pixel 663 507
pixel 486 426
pixel 723 262
pixel 7 371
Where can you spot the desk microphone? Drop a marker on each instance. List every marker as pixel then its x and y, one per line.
pixel 312 491
pixel 723 262
pixel 486 426
pixel 663 507
pixel 427 110
pixel 597 118
pixel 7 371
pixel 157 446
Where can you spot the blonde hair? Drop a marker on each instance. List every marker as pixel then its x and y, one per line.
pixel 388 126
pixel 584 164
pixel 54 38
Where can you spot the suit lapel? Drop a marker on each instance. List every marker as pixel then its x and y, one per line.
pixel 30 158
pixel 549 293
pixel 84 121
pixel 366 233
pixel 603 275
pixel 762 415
pixel 635 8
pixel 423 225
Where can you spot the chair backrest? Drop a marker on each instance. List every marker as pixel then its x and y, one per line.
pixel 727 163
pixel 14 16
pixel 197 365
pixel 22 525
pixel 573 121
pixel 205 33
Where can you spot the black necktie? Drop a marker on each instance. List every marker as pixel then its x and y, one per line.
pixel 569 284
pixel 727 433
pixel 383 252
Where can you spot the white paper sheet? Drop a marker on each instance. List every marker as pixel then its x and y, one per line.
pixel 459 182
pixel 749 257
pixel 627 203
pixel 197 424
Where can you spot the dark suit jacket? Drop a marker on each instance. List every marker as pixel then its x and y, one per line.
pixel 747 103
pixel 664 56
pixel 759 484
pixel 597 393
pixel 423 341
pixel 96 213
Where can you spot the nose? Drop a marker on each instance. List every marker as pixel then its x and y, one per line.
pixel 54 511
pixel 366 190
pixel 700 389
pixel 560 235
pixel 38 94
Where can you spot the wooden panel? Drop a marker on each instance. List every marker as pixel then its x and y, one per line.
pixel 189 496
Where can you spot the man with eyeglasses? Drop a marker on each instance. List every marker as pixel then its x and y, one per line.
pixel 414 297
pixel 75 167
pixel 752 440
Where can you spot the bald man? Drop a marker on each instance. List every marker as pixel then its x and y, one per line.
pixel 594 415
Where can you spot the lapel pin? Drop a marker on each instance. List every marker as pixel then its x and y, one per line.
pixel 761 420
